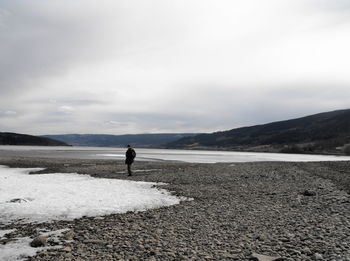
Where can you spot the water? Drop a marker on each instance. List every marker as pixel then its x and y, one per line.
pixel 194 156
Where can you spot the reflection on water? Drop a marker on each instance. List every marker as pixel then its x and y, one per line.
pixel 195 156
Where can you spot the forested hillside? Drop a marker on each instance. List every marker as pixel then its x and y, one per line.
pixel 320 133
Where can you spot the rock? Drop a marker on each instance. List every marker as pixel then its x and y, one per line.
pixel 318 256
pixel 94 241
pixel 67 249
pixel 39 241
pixel 307 251
pixel 258 257
pixel 69 235
pixel 309 193
pixel 5 241
pixel 19 200
pixel 232 256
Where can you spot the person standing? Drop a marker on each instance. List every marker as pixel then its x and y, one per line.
pixel 129 158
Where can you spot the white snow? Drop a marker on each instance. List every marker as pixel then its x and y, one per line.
pixel 4 232
pixel 61 196
pixel 20 249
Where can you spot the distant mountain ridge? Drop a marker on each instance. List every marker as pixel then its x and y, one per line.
pixel 319 133
pixel 9 138
pixel 107 140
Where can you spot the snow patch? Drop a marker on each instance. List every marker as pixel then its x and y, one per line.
pixel 20 249
pixel 61 196
pixel 4 232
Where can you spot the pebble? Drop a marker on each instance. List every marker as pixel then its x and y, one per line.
pixel 39 241
pixel 318 256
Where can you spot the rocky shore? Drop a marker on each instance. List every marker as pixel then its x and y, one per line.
pixel 242 211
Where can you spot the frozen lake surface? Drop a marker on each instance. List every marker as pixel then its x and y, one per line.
pixel 194 156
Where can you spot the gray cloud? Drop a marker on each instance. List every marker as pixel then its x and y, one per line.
pixel 156 66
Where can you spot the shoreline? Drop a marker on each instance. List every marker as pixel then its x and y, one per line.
pixel 238 209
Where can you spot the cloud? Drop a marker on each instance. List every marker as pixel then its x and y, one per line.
pixel 66 109
pixel 8 113
pixel 169 65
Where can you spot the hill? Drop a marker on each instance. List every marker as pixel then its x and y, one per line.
pixel 104 140
pixel 327 132
pixel 8 138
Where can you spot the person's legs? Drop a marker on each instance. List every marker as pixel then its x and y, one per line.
pixel 129 169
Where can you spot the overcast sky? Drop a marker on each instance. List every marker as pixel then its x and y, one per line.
pixel 135 66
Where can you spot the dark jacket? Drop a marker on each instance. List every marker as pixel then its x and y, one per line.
pixel 130 156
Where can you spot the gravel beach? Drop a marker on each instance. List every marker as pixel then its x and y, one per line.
pixel 241 211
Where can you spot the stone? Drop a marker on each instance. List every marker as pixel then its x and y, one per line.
pixel 258 257
pixel 39 241
pixel 94 241
pixel 232 256
pixel 19 200
pixel 318 256
pixel 309 193
pixel 307 251
pixel 69 235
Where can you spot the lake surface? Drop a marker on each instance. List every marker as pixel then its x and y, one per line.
pixel 194 156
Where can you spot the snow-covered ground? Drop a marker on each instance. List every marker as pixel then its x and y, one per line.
pixel 20 248
pixel 45 197
pixel 4 232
